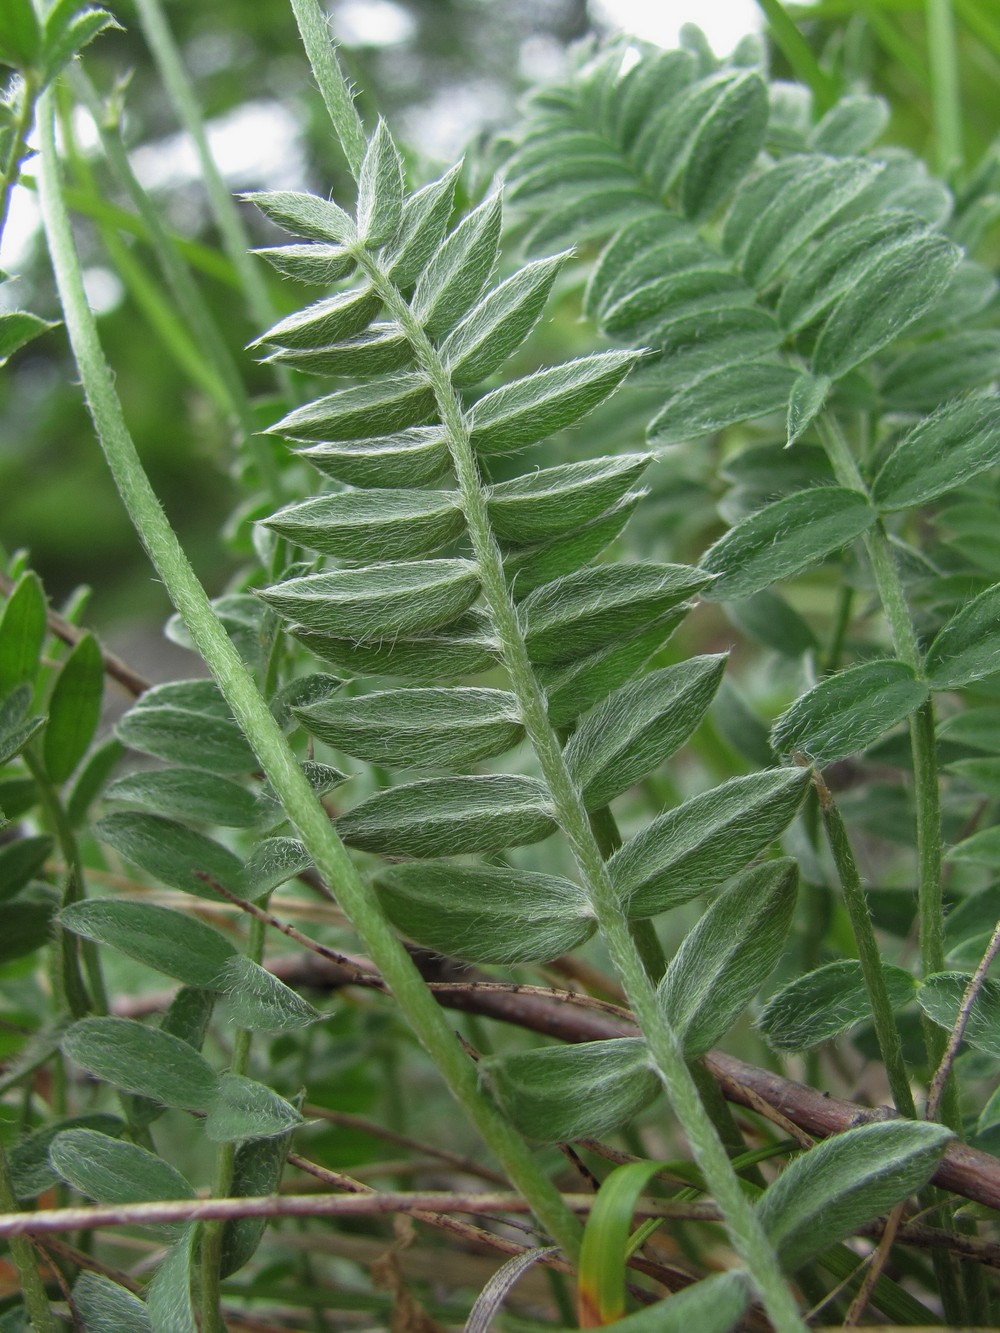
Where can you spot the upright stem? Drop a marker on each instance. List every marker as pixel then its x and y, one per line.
pixel 266 738
pixel 945 93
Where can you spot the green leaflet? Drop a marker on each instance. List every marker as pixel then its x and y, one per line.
pixel 729 954
pixel 260 1002
pixel 15 731
pixel 381 348
pixel 805 402
pixel 27 926
pixel 561 1093
pixel 22 632
pixel 322 264
pixel 187 722
pixel 784 538
pixel 826 1002
pixel 105 1307
pixel 768 618
pixel 179 945
pixel 557 500
pixel 142 1060
pixel 380 190
pixel 109 1170
pixel 850 126
pixel 378 600
pixel 171 852
pixel 188 794
pixel 487 914
pixel 529 409
pixel 241 1108
pixel 424 222
pixel 530 567
pixel 945 450
pixel 825 1193
pixel 982 848
pixel 721 397
pixel 368 527
pixel 597 606
pixel 648 87
pixel 272 862
pixel 407 458
pixel 20 860
pixel 257 1169
pixel 169 1301
pixel 305 214
pixel 714 1305
pixel 846 713
pixel 459 269
pixel 649 308
pixel 941 995
pixel 934 373
pixel 17 328
pixel 652 246
pixel 439 728
pixel 699 844
pixel 639 726
pixel 967 648
pixel 449 816
pixel 463 648
pixel 498 325
pixel 392 403
pixel 324 322
pixel 725 144
pixel 31 1172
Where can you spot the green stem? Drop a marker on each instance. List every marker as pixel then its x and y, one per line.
pixel 36 1302
pixel 945 94
pixel 798 53
pixel 27 97
pixel 315 32
pixel 266 738
pixel 868 952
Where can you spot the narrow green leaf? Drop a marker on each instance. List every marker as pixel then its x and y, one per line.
pixel 20 860
pixel 595 607
pixel 838 1185
pixel 561 1093
pixel 437 728
pixel 188 794
pixel 272 862
pixel 15 734
pixel 368 527
pixel 453 280
pixel 305 214
pixel 172 942
pixel 257 1169
pixel 392 403
pixel 713 1305
pixel 826 1002
pixel 328 321
pixel 556 500
pixel 498 325
pixel 322 264
pixel 892 296
pixel 639 726
pixel 90 782
pixel 171 852
pixel 18 327
pixel 725 145
pixel 943 452
pixel 940 997
pixel 720 398
pixel 529 409
pixel 846 713
pixel 187 722
pixel 851 126
pixel 22 632
pixel 652 245
pixel 650 86
pixel 380 348
pixel 27 926
pixel 700 844
pixel 982 848
pixel 464 648
pixel 108 1170
pixel 143 1060
pixel 784 538
pixel 805 402
pixel 241 1108
pixel 260 1002
pixel 169 1301
pixel 967 648
pixel 378 601
pixel 487 914
pixel 449 816
pixel 531 567
pixel 665 144
pixel 425 221
pixel 380 190
pixel 408 458
pixel 74 709
pixel 724 961
pixel 105 1307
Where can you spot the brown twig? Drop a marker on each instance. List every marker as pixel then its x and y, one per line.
pixel 877 1261
pixel 961 1023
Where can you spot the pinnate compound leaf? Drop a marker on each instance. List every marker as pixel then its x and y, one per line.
pixel 108 1170
pixel 967 648
pixel 498 325
pixel 378 601
pixel 720 398
pixel 838 1185
pixel 944 451
pixel 583 612
pixel 562 1093
pixel 846 713
pixel 529 409
pixel 305 214
pixel 450 816
pixel 18 327
pixel 784 538
pixel 894 294
pixel 173 853
pixel 106 1307
pixel 174 943
pixel 257 1169
pixel 74 709
pixel 941 995
pixel 826 1002
pixel 380 190
pixel 639 726
pixel 142 1060
pixel 258 1001
pixel 442 728
pixel 22 632
pixel 726 958
pixel 700 844
pixel 369 527
pixel 187 722
pixel 187 794
pixel 461 266
pixel 245 1109
pixel 557 500
pixel 391 403
pixel 725 145
pixel 488 914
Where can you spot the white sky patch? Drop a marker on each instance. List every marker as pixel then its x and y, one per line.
pixel 723 22
pixel 254 144
pixel 372 23
pixel 103 289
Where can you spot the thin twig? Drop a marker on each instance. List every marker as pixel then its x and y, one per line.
pixel 961 1023
pixel 878 1260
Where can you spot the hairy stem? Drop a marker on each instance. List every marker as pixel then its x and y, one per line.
pixel 265 737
